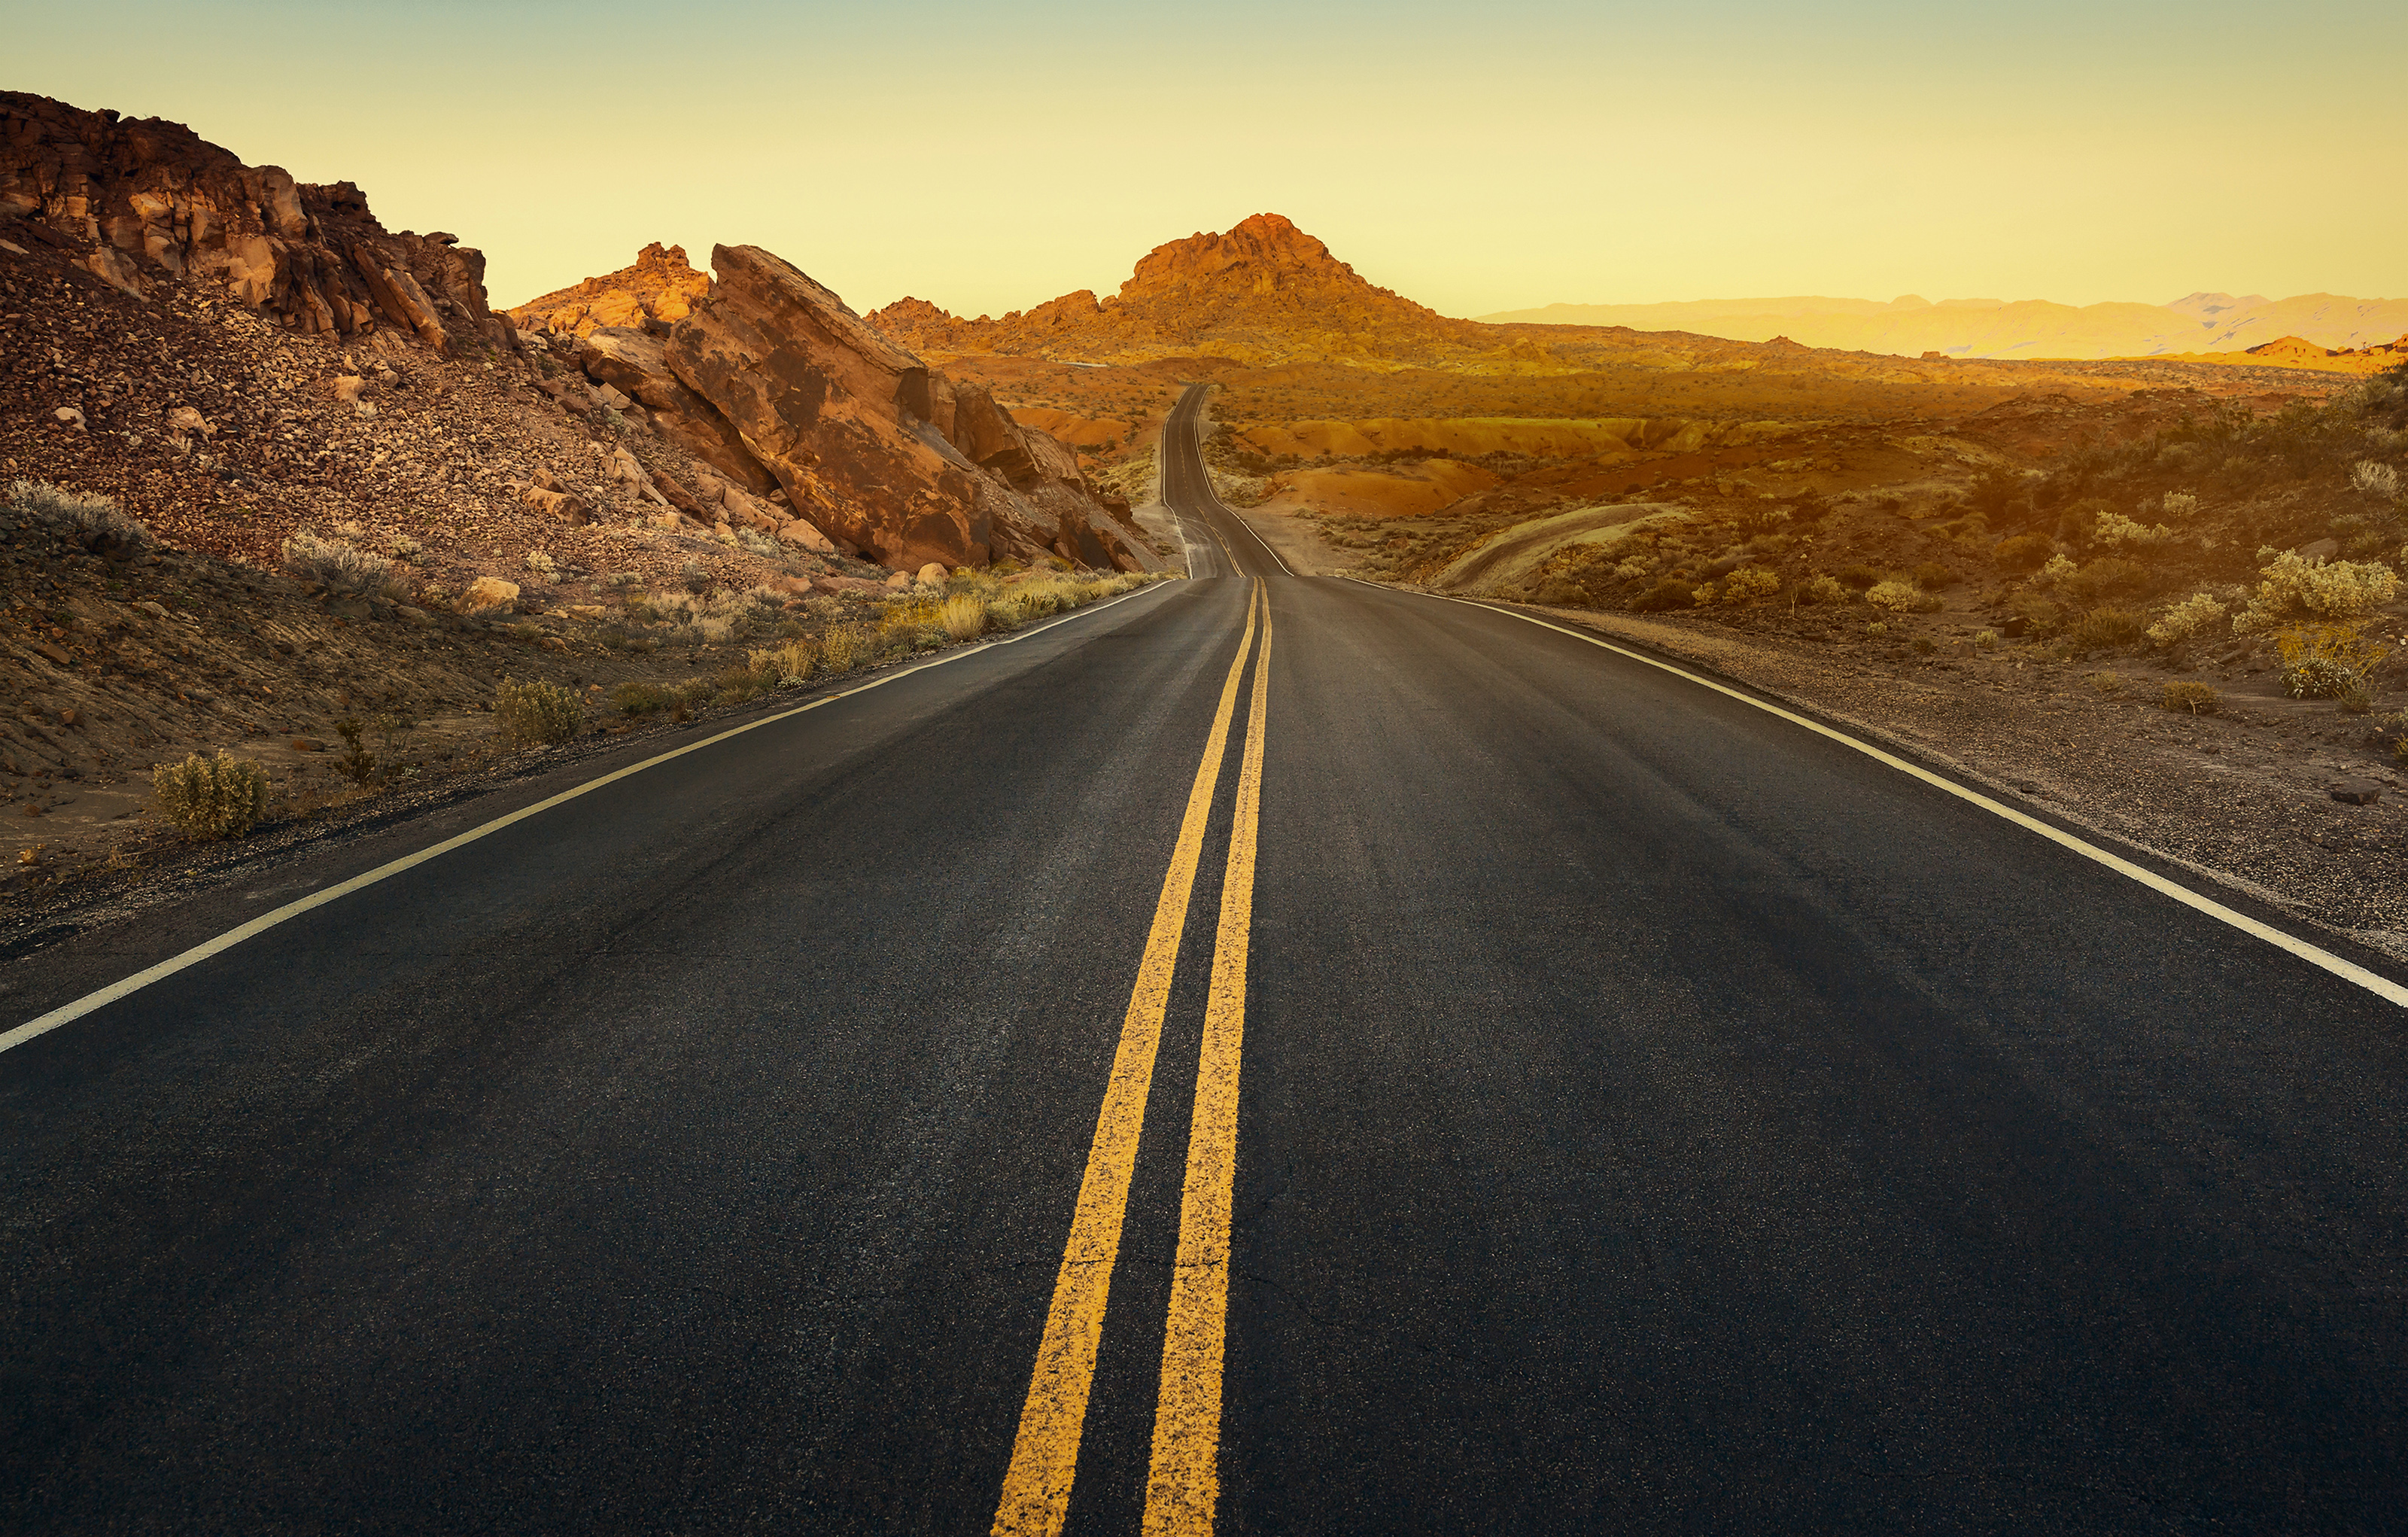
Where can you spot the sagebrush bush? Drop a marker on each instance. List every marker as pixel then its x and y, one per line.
pixel 94 522
pixel 2198 612
pixel 341 567
pixel 2295 590
pixel 2178 506
pixel 1824 589
pixel 1899 596
pixel 210 798
pixel 536 714
pixel 2376 480
pixel 2197 698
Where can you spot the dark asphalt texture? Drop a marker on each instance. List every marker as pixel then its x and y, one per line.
pixel 1656 1118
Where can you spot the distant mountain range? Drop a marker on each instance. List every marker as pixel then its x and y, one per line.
pixel 1910 326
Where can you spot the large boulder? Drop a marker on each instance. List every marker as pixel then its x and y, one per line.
pixel 814 392
pixel 870 444
pixel 634 361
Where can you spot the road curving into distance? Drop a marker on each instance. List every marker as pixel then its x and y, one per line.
pixel 1270 1054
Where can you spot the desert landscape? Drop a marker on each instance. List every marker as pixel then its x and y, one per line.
pixel 1044 771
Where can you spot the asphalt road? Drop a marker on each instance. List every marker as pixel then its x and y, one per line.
pixel 1575 1100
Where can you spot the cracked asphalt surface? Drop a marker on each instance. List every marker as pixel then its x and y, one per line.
pixel 1654 1117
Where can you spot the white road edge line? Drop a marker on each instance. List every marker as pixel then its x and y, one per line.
pixel 2349 972
pixel 68 1012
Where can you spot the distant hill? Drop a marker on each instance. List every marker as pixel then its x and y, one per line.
pixel 1910 327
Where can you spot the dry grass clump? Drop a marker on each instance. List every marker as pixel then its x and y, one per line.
pixel 964 617
pixel 94 522
pixel 2198 698
pixel 2107 683
pixel 536 714
pixel 787 666
pixel 210 798
pixel 341 567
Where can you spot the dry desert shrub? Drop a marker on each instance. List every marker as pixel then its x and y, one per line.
pixel 2106 629
pixel 94 522
pixel 2107 683
pixel 2178 506
pixel 2323 661
pixel 536 714
pixel 210 798
pixel 1824 589
pixel 641 698
pixel 2197 612
pixel 341 567
pixel 2313 591
pixel 845 648
pixel 2197 698
pixel 2021 553
pixel 1750 585
pixel 2114 528
pixel 1900 597
pixel 2376 478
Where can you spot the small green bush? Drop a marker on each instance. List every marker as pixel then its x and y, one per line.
pixel 536 714
pixel 2198 698
pixel 1750 585
pixel 210 798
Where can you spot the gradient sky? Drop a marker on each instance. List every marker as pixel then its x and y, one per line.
pixel 1476 158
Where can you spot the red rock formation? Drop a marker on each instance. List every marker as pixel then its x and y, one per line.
pixel 1262 290
pixel 137 201
pixel 660 287
pixel 869 444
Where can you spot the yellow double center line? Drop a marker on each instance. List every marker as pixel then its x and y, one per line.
pixel 1184 1484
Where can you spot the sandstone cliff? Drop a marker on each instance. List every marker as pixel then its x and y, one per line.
pixel 139 201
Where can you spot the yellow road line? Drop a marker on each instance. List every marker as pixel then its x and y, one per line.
pixel 1185 1485
pixel 1045 1453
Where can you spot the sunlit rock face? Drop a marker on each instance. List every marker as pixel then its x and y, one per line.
pixel 143 201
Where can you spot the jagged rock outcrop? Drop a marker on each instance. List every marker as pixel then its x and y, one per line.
pixel 637 362
pixel 869 443
pixel 1262 290
pixel 137 201
pixel 660 288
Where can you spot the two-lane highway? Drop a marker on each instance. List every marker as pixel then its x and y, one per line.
pixel 1276 1054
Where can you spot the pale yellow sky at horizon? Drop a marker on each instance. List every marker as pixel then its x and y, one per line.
pixel 1536 154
